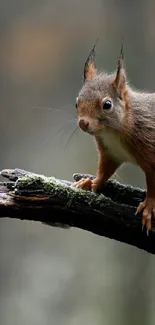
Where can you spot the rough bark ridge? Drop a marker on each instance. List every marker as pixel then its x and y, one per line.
pixel 110 213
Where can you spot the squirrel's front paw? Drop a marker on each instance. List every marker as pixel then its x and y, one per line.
pixel 84 183
pixel 148 207
pixel 88 184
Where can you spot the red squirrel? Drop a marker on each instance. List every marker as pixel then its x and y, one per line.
pixel 122 122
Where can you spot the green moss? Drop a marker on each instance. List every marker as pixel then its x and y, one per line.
pixel 51 186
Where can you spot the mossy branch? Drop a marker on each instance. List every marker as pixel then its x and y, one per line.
pixel 55 202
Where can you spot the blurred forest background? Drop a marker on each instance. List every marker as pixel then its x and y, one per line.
pixel 55 276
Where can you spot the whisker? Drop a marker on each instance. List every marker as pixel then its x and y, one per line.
pixel 62 129
pixel 55 110
pixel 71 136
pixel 53 136
pixel 65 119
pixel 63 133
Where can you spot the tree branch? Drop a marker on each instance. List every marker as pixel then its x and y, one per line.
pixel 111 213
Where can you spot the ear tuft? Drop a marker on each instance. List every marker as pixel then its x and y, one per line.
pixel 122 53
pixel 89 67
pixel 120 79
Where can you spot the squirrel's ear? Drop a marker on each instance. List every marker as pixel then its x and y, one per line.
pixel 120 79
pixel 89 67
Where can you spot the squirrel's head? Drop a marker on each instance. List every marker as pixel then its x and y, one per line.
pixel 102 99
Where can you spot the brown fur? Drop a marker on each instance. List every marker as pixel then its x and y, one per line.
pixel 90 71
pixel 124 133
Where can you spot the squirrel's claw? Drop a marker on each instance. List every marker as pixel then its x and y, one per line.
pixel 147 207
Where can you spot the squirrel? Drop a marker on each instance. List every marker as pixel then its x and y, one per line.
pixel 122 122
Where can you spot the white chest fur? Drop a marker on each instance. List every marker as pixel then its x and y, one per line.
pixel 116 148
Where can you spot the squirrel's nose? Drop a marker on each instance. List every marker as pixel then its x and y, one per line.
pixel 83 125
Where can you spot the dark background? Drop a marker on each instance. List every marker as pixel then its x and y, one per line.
pixel 55 276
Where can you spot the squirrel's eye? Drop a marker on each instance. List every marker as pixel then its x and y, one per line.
pixel 107 104
pixel 76 104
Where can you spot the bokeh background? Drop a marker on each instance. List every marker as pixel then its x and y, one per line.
pixel 49 275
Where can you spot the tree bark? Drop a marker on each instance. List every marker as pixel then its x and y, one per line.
pixel 110 213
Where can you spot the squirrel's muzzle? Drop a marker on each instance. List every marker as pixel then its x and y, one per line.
pixel 84 125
